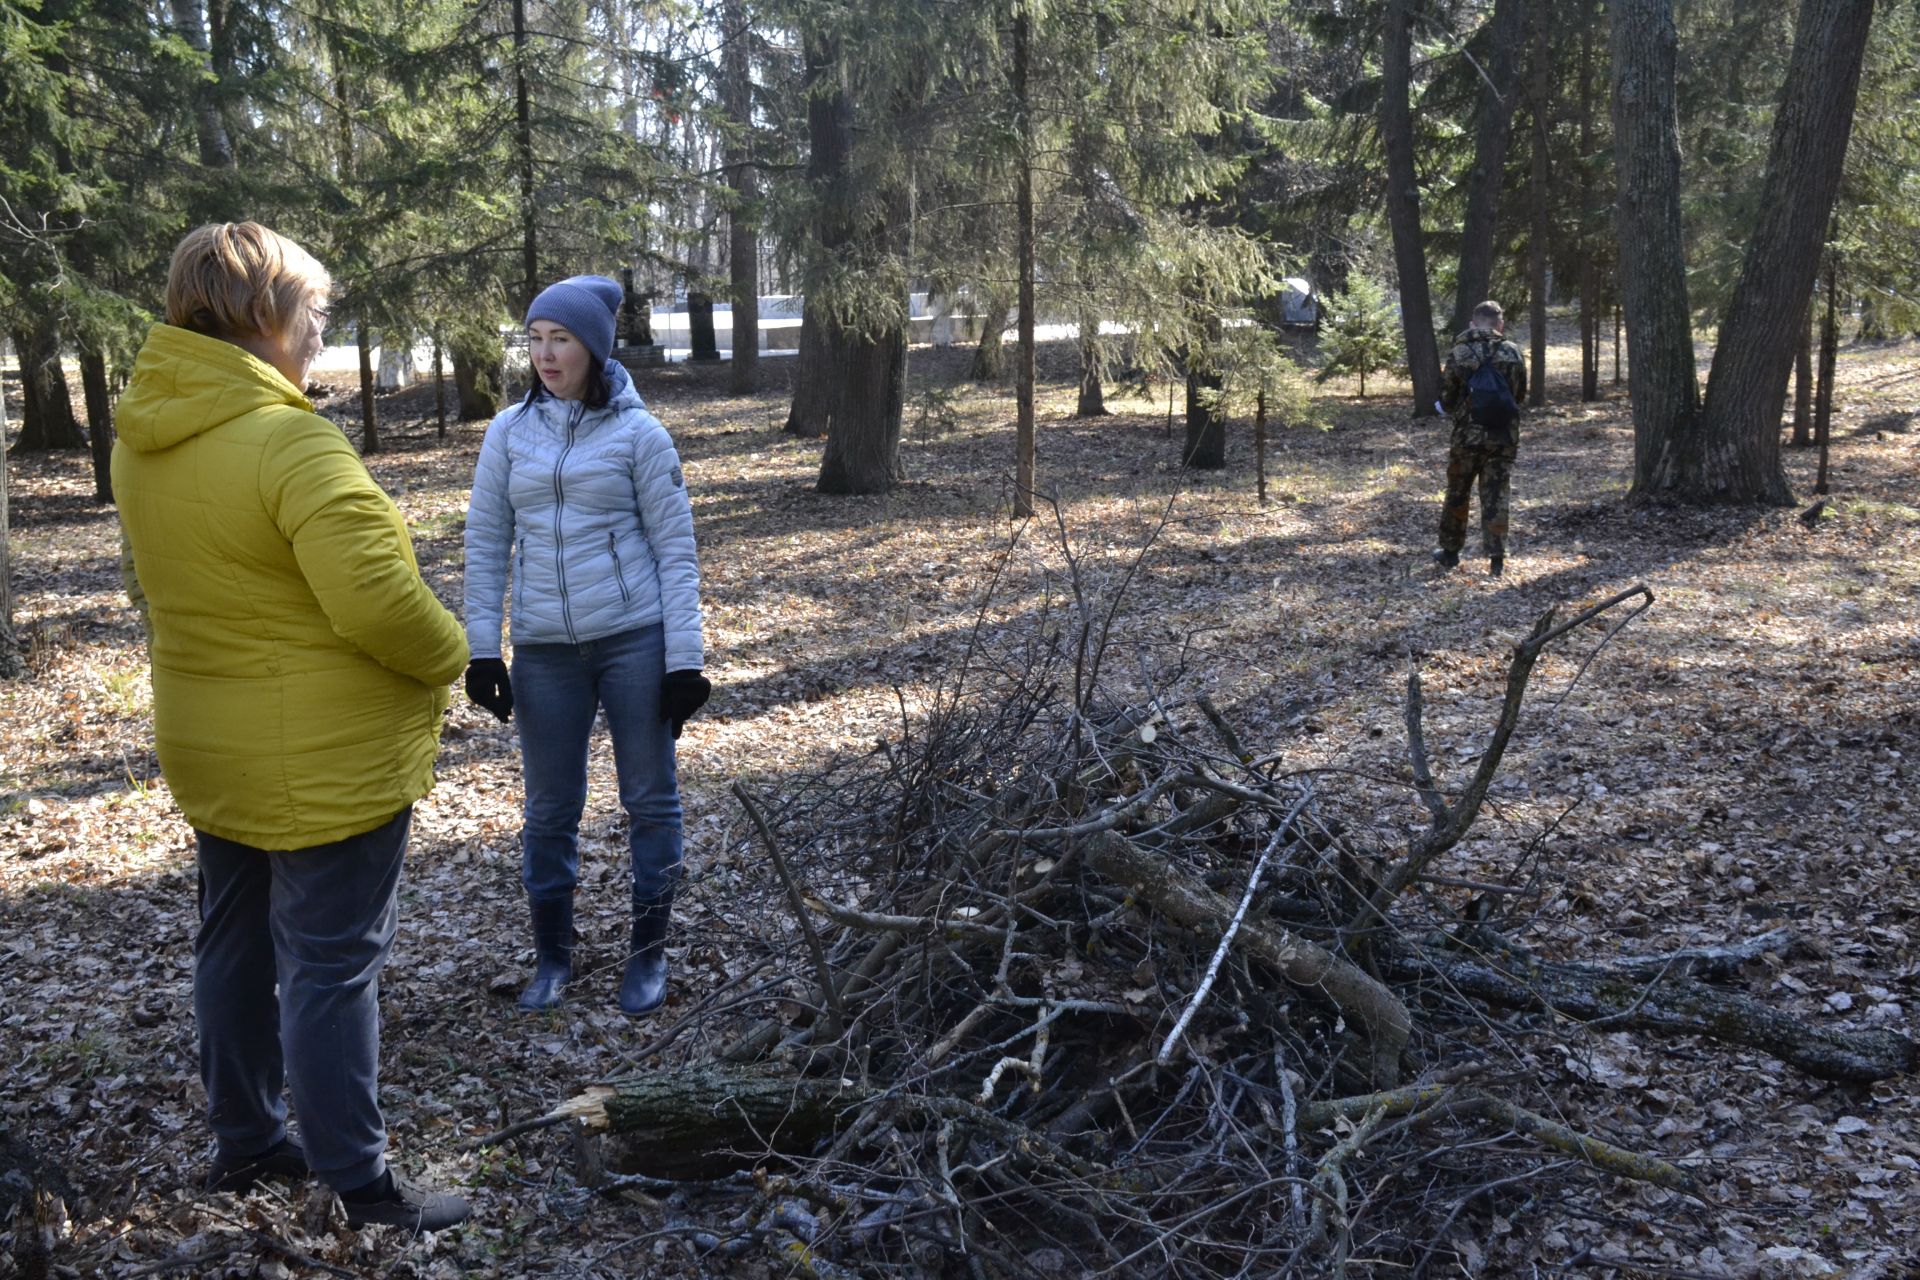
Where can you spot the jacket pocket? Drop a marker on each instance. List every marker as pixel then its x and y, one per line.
pixel 519 576
pixel 619 571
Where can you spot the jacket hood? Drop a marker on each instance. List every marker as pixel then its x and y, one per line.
pixel 185 383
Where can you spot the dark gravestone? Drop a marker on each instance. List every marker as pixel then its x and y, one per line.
pixel 700 321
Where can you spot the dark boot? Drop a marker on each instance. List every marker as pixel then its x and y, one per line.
pixel 553 948
pixel 240 1175
pixel 1446 559
pixel 391 1201
pixel 644 988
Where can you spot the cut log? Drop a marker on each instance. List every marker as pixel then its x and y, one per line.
pixel 1183 898
pixel 707 1122
pixel 1669 1007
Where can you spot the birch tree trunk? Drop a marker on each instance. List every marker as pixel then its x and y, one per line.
pixel 210 129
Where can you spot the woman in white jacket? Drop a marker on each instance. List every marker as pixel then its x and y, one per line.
pixel 579 494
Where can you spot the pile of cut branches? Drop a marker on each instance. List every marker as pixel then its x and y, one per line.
pixel 1071 981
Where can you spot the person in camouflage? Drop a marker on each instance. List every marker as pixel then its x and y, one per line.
pixel 1476 452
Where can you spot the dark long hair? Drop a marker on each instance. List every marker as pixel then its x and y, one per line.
pixel 598 390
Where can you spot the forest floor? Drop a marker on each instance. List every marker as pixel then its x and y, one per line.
pixel 1741 757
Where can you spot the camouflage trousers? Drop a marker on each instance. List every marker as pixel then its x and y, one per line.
pixel 1473 457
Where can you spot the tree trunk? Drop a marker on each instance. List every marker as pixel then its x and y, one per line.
pixel 1653 268
pixel 1737 458
pixel 814 392
pixel 986 356
pixel 99 400
pixel 1829 354
pixel 1803 385
pixel 743 241
pixel 1403 209
pixel 439 391
pixel 48 422
pixel 1206 421
pixel 1540 92
pixel 475 386
pixel 1493 126
pixel 1260 448
pixel 824 349
pixel 369 422
pixel 863 448
pixel 11 666
pixel 1589 242
pixel 523 147
pixel 1093 399
pixel 1023 358
pixel 216 149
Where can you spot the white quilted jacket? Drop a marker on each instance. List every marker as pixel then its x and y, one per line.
pixel 588 508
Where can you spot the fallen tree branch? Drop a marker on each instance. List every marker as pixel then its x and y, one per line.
pixel 1721 961
pixel 1451 822
pixel 1233 927
pixel 1676 1008
pixel 1181 896
pixel 1474 1101
pixel 699 1123
pixel 829 990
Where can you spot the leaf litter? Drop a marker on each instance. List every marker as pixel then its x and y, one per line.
pixel 1740 761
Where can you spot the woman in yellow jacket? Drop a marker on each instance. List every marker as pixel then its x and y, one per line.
pixel 300 669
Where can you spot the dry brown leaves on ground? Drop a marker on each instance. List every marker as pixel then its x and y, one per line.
pixel 1740 759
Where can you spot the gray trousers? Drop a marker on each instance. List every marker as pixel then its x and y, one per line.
pixel 317 924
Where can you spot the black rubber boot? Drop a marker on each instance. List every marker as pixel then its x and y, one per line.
pixel 644 988
pixel 553 948
pixel 1496 565
pixel 1444 558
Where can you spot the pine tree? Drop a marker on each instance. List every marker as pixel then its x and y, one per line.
pixel 1361 335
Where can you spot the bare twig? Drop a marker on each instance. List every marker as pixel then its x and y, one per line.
pixel 1280 834
pixel 828 990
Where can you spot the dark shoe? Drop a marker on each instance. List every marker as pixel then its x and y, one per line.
pixel 553 948
pixel 1496 565
pixel 1446 559
pixel 392 1201
pixel 284 1159
pixel 644 988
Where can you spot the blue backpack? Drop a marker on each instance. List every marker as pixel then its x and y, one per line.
pixel 1493 405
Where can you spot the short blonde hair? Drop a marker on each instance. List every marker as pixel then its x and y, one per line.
pixel 234 279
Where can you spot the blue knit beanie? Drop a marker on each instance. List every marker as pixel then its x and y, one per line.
pixel 585 307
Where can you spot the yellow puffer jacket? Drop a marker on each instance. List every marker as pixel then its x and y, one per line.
pixel 300 665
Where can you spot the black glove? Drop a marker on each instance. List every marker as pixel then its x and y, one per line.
pixel 681 694
pixel 487 685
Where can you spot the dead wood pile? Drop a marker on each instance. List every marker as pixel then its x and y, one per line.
pixel 1074 982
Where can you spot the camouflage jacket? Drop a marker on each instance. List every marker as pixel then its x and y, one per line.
pixel 1470 349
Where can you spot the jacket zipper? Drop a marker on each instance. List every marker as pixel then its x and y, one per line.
pixel 619 573
pixel 559 510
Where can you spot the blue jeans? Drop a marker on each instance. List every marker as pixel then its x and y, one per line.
pixel 556 689
pixel 318 923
